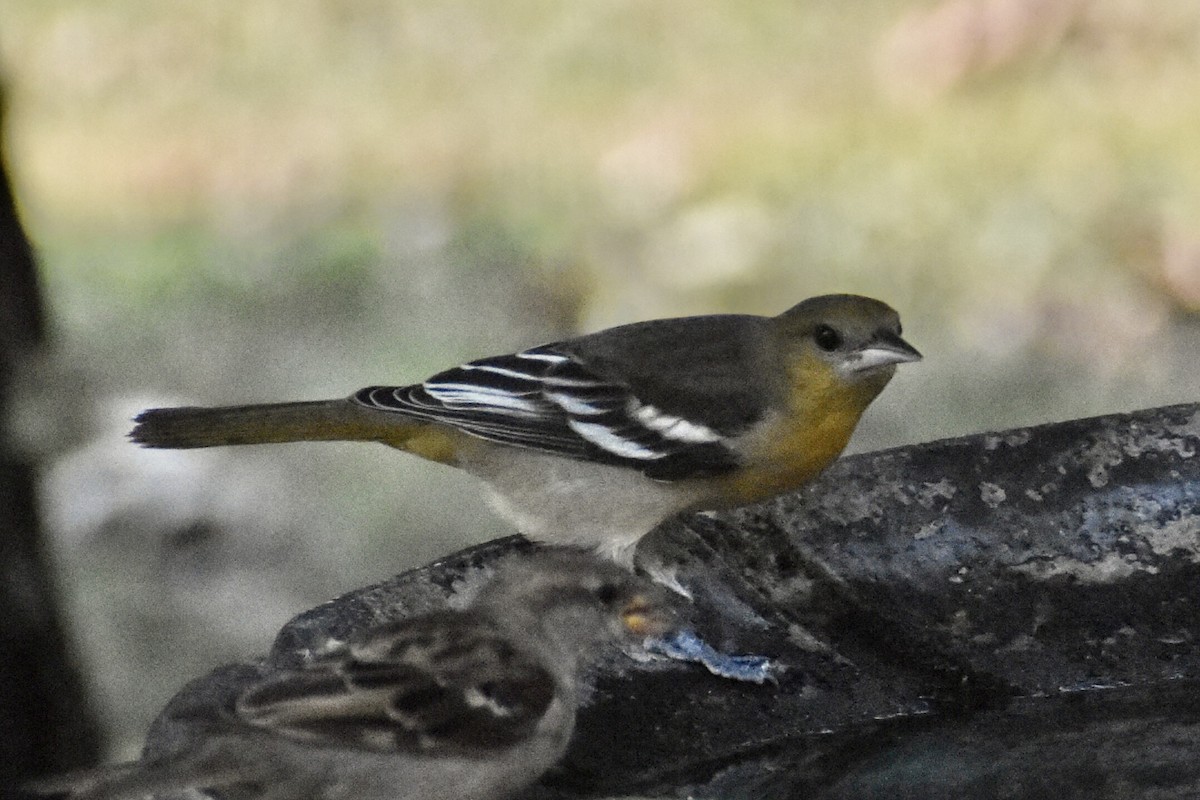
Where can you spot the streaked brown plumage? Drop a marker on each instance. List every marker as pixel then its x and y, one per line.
pixel 451 705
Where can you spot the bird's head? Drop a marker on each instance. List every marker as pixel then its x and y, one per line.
pixel 857 338
pixel 579 599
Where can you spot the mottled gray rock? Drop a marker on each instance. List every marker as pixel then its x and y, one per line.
pixel 1003 615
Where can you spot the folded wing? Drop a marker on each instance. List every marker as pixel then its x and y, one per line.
pixel 549 400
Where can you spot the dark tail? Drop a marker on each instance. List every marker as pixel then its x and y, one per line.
pixel 321 420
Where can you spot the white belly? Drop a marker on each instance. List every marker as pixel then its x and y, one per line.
pixel 562 501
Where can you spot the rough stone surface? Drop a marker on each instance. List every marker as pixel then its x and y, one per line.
pixel 1009 615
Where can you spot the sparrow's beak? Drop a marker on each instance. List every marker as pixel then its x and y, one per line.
pixel 643 617
pixel 885 348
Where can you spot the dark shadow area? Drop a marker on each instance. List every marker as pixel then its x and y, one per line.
pixel 47 725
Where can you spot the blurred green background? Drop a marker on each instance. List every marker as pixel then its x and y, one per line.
pixel 285 199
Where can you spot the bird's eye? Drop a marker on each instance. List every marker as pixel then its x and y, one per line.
pixel 606 593
pixel 827 338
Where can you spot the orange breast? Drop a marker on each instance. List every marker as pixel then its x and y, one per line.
pixel 823 411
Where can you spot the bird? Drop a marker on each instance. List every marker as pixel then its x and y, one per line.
pixel 470 704
pixel 596 440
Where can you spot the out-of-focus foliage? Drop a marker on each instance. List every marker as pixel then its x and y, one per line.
pixel 276 199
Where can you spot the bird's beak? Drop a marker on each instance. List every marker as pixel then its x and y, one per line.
pixel 884 349
pixel 642 617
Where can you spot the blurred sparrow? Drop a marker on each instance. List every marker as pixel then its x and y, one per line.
pixel 451 705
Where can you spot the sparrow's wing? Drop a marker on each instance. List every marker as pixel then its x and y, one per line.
pixel 445 683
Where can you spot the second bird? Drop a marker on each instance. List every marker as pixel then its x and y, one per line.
pixel 595 440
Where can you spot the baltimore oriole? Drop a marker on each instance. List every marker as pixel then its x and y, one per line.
pixel 595 440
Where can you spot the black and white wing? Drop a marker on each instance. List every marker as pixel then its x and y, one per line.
pixel 547 399
pixel 444 684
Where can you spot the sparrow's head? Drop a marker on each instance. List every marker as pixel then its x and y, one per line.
pixel 580 598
